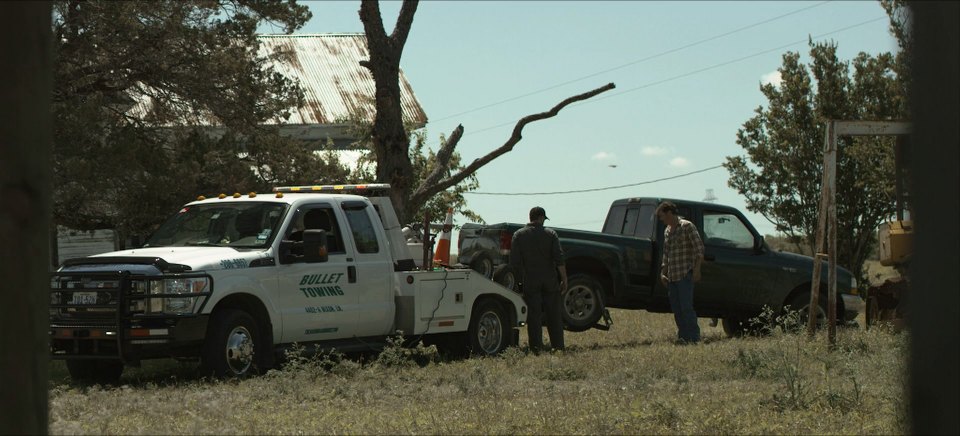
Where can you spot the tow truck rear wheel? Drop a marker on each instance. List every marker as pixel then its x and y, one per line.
pixel 105 372
pixel 488 332
pixel 582 304
pixel 232 344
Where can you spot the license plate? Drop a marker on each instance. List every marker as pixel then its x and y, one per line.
pixel 84 298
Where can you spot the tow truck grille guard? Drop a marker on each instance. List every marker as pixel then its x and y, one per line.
pixel 101 315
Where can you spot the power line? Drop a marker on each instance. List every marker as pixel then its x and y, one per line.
pixel 598 189
pixel 654 56
pixel 722 64
pixel 690 73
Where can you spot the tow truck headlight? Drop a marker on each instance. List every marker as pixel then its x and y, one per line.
pixel 182 286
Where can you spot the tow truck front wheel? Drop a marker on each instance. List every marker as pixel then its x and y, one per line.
pixel 105 372
pixel 233 342
pixel 488 329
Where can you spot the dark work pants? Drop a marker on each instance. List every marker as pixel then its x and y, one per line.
pixel 543 299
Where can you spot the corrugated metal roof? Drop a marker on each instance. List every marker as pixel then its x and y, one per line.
pixel 327 66
pixel 335 85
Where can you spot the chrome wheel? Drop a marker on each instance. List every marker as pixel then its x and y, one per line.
pixel 490 332
pixel 487 334
pixel 239 350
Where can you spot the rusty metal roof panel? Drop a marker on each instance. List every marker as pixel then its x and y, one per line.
pixel 327 66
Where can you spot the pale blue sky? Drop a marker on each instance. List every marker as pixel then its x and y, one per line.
pixel 670 114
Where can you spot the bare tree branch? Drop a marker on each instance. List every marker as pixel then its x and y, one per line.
pixel 399 37
pixel 443 157
pixel 425 191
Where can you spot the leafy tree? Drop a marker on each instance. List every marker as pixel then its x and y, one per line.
pixel 390 141
pixel 123 164
pixel 781 174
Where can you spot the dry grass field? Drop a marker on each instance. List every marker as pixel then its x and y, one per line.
pixel 630 380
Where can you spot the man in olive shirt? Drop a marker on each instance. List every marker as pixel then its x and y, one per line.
pixel 536 258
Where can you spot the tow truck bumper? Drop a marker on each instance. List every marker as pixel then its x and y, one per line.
pixel 162 337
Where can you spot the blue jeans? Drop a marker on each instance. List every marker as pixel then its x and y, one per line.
pixel 681 302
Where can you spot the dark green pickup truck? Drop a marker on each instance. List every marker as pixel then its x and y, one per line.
pixel 619 267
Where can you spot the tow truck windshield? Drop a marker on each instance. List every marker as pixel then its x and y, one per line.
pixel 228 224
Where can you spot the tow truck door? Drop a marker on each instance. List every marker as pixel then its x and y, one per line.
pixel 370 269
pixel 316 300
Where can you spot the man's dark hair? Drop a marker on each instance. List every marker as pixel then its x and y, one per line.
pixel 667 206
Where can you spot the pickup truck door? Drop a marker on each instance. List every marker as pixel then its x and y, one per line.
pixel 316 301
pixel 734 272
pixel 370 270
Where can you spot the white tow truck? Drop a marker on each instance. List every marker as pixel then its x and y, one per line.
pixel 236 280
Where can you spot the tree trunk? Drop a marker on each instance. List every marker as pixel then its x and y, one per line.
pixel 391 143
pixel 25 156
pixel 390 140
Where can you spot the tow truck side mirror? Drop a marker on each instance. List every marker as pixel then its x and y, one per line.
pixel 315 246
pixel 758 244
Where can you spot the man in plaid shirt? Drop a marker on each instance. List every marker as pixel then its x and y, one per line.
pixel 680 268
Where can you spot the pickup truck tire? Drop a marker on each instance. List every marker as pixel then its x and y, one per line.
pixel 801 304
pixel 488 332
pixel 105 372
pixel 582 304
pixel 736 327
pixel 506 278
pixel 483 265
pixel 232 344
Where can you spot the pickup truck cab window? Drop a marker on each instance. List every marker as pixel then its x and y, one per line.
pixel 318 217
pixel 726 230
pixel 364 236
pixel 631 220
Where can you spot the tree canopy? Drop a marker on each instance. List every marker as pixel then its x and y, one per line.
pixel 781 173
pixel 137 86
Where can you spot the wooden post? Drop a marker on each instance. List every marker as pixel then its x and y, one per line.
pixel 821 229
pixel 427 243
pixel 828 210
pixel 831 166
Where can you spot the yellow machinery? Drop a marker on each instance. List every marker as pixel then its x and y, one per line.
pixel 887 301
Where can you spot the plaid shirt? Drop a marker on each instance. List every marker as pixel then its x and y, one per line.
pixel 681 249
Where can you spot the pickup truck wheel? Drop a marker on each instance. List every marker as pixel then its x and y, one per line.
pixel 582 304
pixel 105 372
pixel 232 344
pixel 506 278
pixel 488 329
pixel 736 327
pixel 801 305
pixel 483 265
